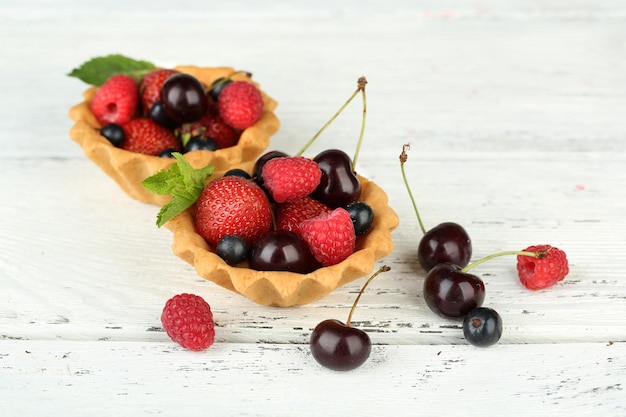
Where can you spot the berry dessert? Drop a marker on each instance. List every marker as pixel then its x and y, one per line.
pixel 136 115
pixel 287 231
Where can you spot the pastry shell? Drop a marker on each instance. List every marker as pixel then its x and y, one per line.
pixel 128 169
pixel 285 289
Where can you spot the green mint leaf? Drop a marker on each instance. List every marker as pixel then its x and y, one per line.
pixel 97 70
pixel 182 182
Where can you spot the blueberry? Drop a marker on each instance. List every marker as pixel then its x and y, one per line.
pixel 167 153
pixel 362 216
pixel 482 327
pixel 217 86
pixel 232 249
pixel 114 133
pixel 160 116
pixel 198 143
pixel 237 172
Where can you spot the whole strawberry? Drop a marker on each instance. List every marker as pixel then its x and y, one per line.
pixel 240 104
pixel 543 271
pixel 150 87
pixel 290 215
pixel 330 236
pixel 290 178
pixel 115 101
pixel 233 206
pixel 187 319
pixel 147 137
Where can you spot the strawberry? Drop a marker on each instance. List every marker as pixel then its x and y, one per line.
pixel 291 214
pixel 330 236
pixel 240 104
pixel 233 206
pixel 116 100
pixel 150 87
pixel 290 178
pixel 145 136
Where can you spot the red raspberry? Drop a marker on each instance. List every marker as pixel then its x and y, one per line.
pixel 240 104
pixel 147 137
pixel 116 100
pixel 150 87
pixel 224 135
pixel 188 320
pixel 291 177
pixel 291 214
pixel 233 206
pixel 330 236
pixel 537 273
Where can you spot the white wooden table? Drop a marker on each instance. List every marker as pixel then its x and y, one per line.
pixel 516 113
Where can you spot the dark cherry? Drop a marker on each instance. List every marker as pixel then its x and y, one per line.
pixel 482 327
pixel 114 133
pixel 339 185
pixel 281 250
pixel 257 172
pixel 362 216
pixel 184 98
pixel 199 143
pixel 217 86
pixel 450 292
pixel 160 116
pixel 232 249
pixel 446 242
pixel 339 347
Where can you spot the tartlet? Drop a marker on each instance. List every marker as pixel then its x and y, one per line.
pixel 128 169
pixel 286 289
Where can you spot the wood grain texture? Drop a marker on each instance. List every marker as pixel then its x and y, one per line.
pixel 515 116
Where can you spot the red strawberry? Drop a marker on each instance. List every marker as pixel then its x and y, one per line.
pixel 218 130
pixel 330 236
pixel 290 178
pixel 233 206
pixel 291 214
pixel 240 104
pixel 150 87
pixel 187 319
pixel 145 136
pixel 542 272
pixel 115 101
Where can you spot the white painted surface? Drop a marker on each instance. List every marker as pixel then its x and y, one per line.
pixel 516 116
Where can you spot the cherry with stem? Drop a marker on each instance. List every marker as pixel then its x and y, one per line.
pixel 339 346
pixel 446 242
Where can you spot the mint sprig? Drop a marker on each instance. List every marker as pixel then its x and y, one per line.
pixel 183 182
pixel 97 70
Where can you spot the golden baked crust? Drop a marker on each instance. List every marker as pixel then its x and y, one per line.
pixel 285 289
pixel 128 169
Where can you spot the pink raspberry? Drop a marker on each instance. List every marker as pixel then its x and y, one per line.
pixel 116 100
pixel 291 177
pixel 330 236
pixel 188 321
pixel 542 272
pixel 290 215
pixel 240 104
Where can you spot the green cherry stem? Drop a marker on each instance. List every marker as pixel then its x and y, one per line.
pixel 328 123
pixel 382 269
pixel 539 254
pixel 361 86
pixel 403 158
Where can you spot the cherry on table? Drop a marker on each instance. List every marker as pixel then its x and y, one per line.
pixel 451 292
pixel 339 346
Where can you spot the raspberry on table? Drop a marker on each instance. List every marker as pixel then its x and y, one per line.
pixel 537 273
pixel 188 321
